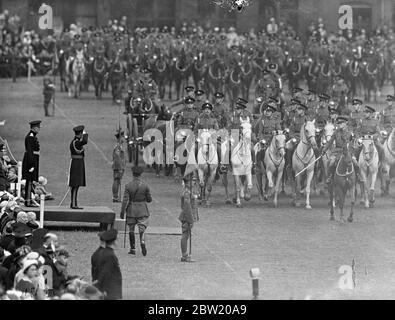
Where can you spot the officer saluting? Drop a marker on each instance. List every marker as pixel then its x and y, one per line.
pixel 136 196
pixel 77 165
pixel 31 159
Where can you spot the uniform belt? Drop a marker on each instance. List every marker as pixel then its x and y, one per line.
pixel 77 157
pixel 36 152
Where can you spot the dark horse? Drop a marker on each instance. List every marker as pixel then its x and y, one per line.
pixel 214 78
pixel 294 72
pixel 344 180
pixel 99 73
pixel 235 82
pixel 180 72
pixel 370 76
pixel 63 56
pixel 248 75
pixel 198 69
pixel 161 75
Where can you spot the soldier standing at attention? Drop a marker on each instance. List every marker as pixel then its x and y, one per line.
pixel 31 160
pixel 48 93
pixel 118 166
pixel 137 194
pixel 77 165
pixel 189 214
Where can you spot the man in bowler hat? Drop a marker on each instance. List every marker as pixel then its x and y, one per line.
pixel 77 165
pixel 136 196
pixel 31 160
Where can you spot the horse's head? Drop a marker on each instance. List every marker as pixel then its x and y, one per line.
pixel 309 132
pixel 329 130
pixel 246 128
pixel 348 154
pixel 279 140
pixel 205 140
pixel 367 144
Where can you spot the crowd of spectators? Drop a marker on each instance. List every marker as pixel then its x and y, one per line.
pixel 33 264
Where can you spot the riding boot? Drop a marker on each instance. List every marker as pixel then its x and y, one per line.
pixel 142 243
pixel 132 243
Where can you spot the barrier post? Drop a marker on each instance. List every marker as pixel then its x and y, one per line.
pixel 42 200
pixel 18 185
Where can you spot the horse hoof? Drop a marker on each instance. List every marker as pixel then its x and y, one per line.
pixel 247 198
pixel 239 205
pixel 308 207
pixel 234 200
pixel 266 198
pixel 350 219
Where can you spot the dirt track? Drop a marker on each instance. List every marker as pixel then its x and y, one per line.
pixel 298 252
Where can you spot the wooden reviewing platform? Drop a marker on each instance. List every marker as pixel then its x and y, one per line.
pixel 103 215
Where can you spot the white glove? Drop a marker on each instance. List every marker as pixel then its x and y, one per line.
pixel 31 170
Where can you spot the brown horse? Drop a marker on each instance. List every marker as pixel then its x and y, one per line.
pixel 344 181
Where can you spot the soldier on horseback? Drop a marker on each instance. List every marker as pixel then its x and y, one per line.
pixel 266 86
pixel 269 121
pixel 206 120
pixel 322 111
pixel 199 101
pixel 188 115
pixel 190 92
pixel 341 137
pixel 387 120
pixel 220 111
pixel 356 114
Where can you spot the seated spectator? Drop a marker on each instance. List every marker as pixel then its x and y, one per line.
pixel 39 189
pixel 26 285
pixel 4 185
pixel 7 236
pixel 14 263
pixel 31 221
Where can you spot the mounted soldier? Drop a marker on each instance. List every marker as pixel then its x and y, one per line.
pixel 265 87
pixel 356 114
pixel 322 111
pixel 206 119
pixel 268 122
pixel 387 120
pixel 220 111
pixel 187 117
pixel 341 137
pixel 199 100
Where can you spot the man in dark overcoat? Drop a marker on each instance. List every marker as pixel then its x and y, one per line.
pixel 77 164
pixel 31 160
pixel 137 194
pixel 109 276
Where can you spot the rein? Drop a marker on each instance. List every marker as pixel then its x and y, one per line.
pixel 347 172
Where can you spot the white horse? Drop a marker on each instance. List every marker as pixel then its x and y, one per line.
pixel 77 73
pixel 207 159
pixel 369 166
pixel 241 161
pixel 388 162
pixel 274 163
pixel 303 157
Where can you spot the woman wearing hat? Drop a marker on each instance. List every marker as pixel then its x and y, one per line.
pixel 26 285
pixel 77 164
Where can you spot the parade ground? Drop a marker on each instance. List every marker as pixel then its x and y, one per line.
pixel 298 251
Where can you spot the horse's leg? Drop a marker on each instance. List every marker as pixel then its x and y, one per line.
pixel 269 176
pixel 350 217
pixel 209 183
pixel 331 202
pixel 310 175
pixel 224 178
pixel 372 185
pixel 237 190
pixel 297 191
pixel 249 186
pixel 259 184
pixel 277 186
pixel 364 186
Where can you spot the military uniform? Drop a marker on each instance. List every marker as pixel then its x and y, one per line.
pixel 188 216
pixel 266 125
pixel 205 121
pixel 340 139
pixel 265 88
pixel 388 118
pixel 118 167
pixel 31 160
pixel 136 196
pixel 48 93
pixel 77 164
pixel 187 118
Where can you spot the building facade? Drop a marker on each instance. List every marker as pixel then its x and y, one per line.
pixel 367 14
